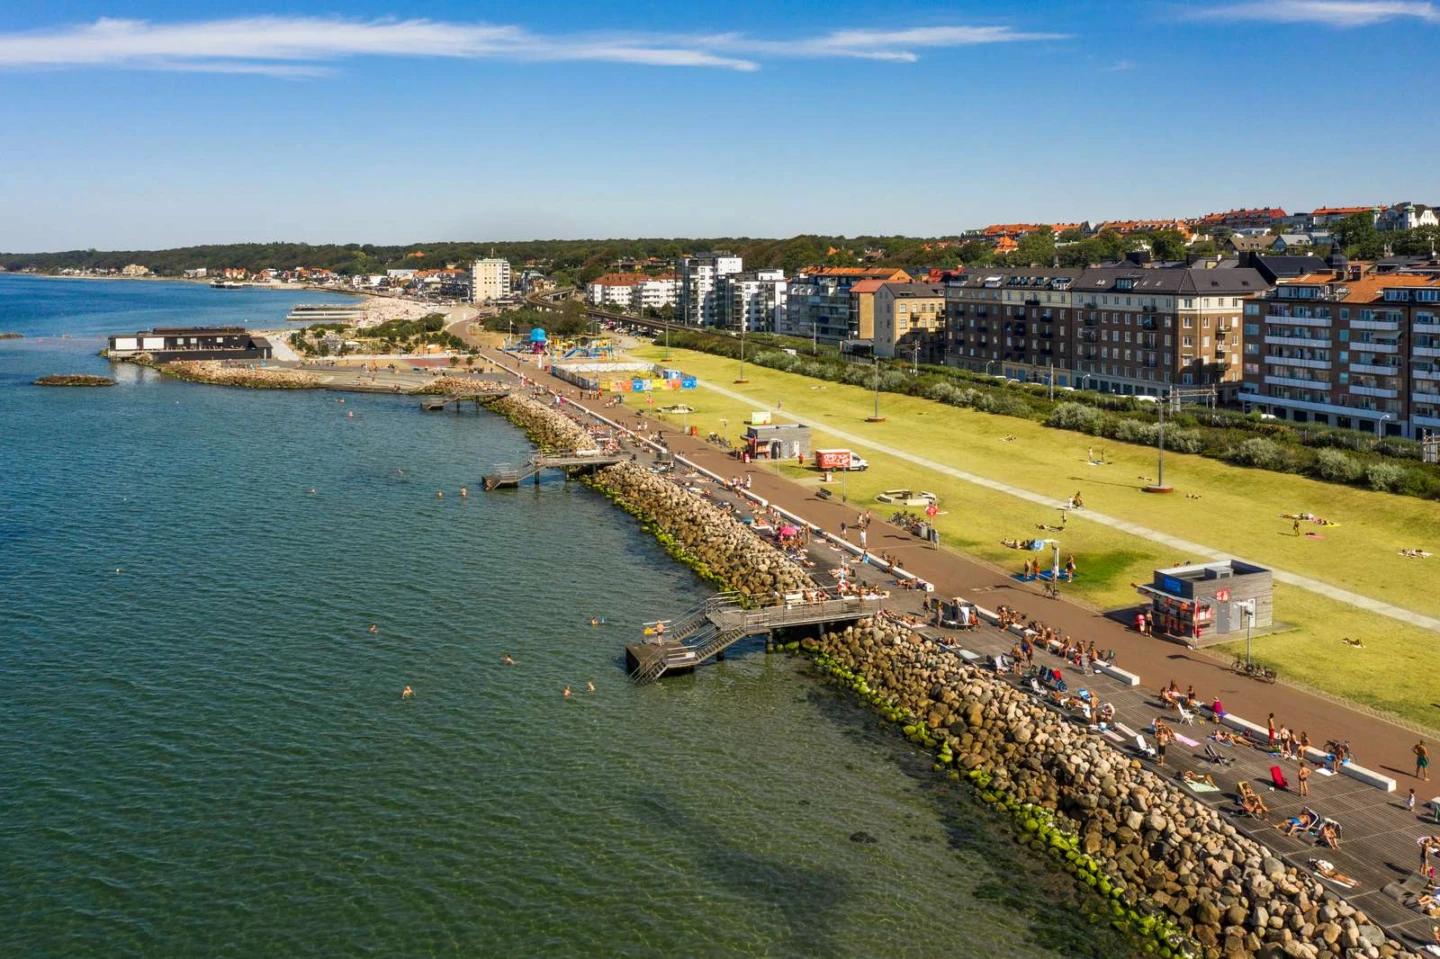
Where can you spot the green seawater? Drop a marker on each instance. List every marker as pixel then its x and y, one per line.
pixel 204 750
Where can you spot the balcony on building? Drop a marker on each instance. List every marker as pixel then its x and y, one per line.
pixel 1374 369
pixel 1149 323
pixel 1299 382
pixel 1426 346
pixel 1421 328
pixel 1277 339
pixel 1376 391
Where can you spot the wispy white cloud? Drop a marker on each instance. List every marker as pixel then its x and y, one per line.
pixel 301 46
pixel 1120 66
pixel 1335 13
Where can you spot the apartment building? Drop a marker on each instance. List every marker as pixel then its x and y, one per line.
pixel 751 300
pixel 1125 328
pixel 633 292
pixel 695 298
pixel 1015 322
pixel 1348 347
pixel 909 319
pixel 490 280
pixel 819 304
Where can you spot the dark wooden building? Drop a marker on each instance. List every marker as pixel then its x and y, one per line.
pixel 166 343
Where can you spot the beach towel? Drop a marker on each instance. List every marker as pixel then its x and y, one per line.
pixel 1277 776
pixel 1203 787
pixel 1126 730
pixel 1186 740
pixel 1112 734
pixel 1323 771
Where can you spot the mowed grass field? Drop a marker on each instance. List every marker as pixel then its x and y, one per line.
pixel 1238 511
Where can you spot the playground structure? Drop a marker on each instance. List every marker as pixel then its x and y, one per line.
pixel 622 377
pixel 538 343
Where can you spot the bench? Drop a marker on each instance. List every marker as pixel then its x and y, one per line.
pixel 1115 672
pixel 1261 734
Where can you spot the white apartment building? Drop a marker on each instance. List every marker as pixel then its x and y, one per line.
pixel 695 304
pixel 633 292
pixel 490 280
pixel 750 301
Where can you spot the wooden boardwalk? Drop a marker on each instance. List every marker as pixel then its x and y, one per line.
pixel 720 622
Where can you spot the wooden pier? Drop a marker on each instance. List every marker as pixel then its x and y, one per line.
pixel 437 404
pixel 720 622
pixel 505 475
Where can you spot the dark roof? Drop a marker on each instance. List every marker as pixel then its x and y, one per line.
pixel 1275 267
pixel 906 291
pixel 1238 281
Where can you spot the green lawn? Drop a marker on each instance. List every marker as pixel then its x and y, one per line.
pixel 1238 511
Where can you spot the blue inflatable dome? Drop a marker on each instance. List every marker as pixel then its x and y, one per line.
pixel 537 335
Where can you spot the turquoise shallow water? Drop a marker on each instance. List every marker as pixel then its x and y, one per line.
pixel 204 749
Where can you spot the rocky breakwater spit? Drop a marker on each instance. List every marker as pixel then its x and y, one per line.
pixel 716 545
pixel 1173 870
pixel 218 374
pixel 546 426
pixel 74 379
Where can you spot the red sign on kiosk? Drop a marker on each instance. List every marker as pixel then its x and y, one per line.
pixel 1222 595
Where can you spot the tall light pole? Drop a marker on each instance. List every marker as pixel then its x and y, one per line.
pixel 988 364
pixel 743 327
pixel 877 418
pixel 1160 486
pixel 915 369
pixel 1380 424
pixel 1248 608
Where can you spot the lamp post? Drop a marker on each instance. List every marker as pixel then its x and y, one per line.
pixel 1380 424
pixel 877 418
pixel 1249 610
pixel 743 327
pixel 915 368
pixel 988 364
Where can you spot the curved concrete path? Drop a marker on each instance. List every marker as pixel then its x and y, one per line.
pixel 1191 550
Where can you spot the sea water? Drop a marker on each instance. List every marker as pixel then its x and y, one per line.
pixel 205 750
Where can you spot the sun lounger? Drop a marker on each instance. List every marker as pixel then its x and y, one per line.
pixel 1277 776
pixel 1187 717
pixel 1214 755
pixel 1203 787
pixel 1144 748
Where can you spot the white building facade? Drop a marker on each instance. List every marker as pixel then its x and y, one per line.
pixel 752 301
pixel 490 280
pixel 695 302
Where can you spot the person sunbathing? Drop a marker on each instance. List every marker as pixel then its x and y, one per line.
pixel 1301 823
pixel 1330 836
pixel 1353 643
pixel 1328 871
pixel 1427 904
pixel 1226 738
pixel 1252 803
pixel 1191 777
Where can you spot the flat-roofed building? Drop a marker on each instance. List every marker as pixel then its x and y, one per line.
pixel 166 343
pixel 819 304
pixel 751 300
pixel 695 297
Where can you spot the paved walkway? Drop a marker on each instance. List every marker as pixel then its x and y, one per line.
pixel 1191 550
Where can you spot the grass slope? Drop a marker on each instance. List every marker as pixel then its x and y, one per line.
pixel 1238 511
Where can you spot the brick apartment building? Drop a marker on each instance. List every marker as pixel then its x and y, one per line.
pixel 1354 346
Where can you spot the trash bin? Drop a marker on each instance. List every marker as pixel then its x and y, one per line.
pixel 694 431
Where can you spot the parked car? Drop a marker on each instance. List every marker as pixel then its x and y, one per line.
pixel 906 497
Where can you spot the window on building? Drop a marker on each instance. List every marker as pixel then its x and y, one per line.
pixel 1188 323
pixel 1187 341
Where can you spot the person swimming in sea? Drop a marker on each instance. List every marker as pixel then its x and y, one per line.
pixel 507 660
pixel 567 692
pixel 590 687
pixel 374 628
pixel 408 693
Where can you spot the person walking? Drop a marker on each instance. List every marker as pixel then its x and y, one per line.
pixel 1422 761
pixel 863 537
pixel 843 528
pixel 1271 723
pixel 1162 739
pixel 1304 778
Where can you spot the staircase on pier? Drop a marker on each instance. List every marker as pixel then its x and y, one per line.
pixel 508 474
pixel 720 622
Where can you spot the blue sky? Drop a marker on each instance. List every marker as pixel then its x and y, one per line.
pixel 138 124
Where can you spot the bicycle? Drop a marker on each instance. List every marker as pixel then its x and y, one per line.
pixel 1254 670
pixel 1051 590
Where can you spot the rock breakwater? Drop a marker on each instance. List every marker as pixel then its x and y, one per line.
pixel 546 426
pixel 709 540
pixel 1174 871
pixel 218 374
pixel 74 379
